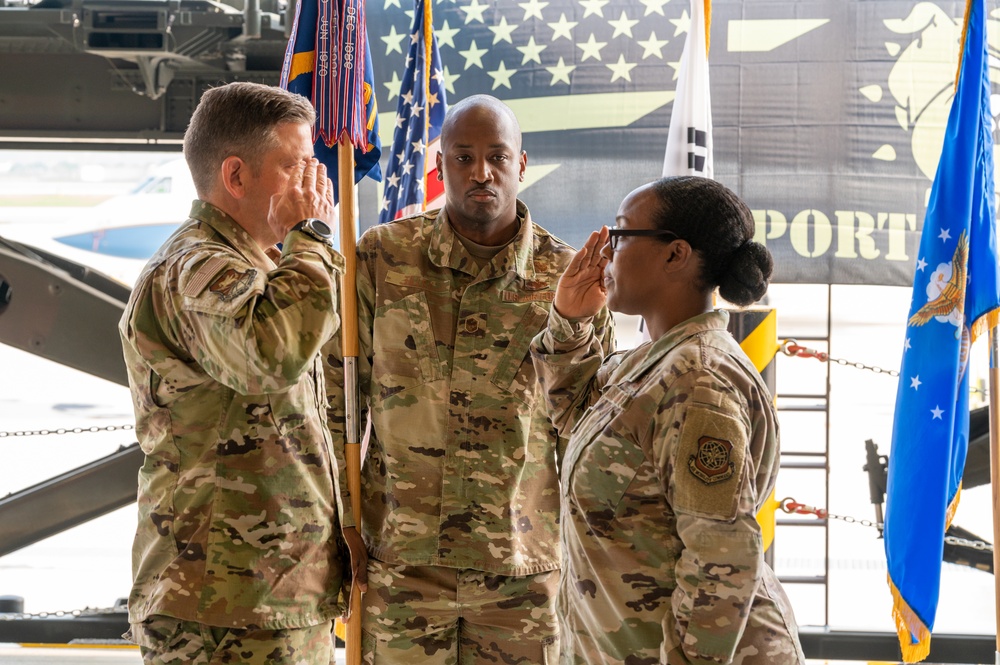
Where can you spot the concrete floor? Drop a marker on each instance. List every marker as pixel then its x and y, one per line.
pixel 11 654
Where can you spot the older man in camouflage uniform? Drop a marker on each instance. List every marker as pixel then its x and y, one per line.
pixel 460 497
pixel 236 556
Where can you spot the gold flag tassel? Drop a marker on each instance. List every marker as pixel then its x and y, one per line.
pixel 908 625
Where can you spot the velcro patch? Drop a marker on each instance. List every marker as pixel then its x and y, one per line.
pixel 233 283
pixel 709 464
pixel 417 282
pixel 707 396
pixel 204 275
pixel 536 296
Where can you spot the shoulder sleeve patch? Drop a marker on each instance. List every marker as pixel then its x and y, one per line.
pixel 708 471
pixel 220 285
pixel 232 283
pixel 208 271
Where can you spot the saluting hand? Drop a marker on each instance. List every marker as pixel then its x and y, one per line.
pixel 581 291
pixel 309 194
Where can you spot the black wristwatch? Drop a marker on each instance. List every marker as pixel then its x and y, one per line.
pixel 315 228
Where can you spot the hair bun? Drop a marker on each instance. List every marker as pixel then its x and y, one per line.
pixel 746 277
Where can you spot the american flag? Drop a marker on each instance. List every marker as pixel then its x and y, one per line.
pixel 412 184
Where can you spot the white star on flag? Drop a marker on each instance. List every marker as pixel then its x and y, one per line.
pixel 501 76
pixel 501 31
pixel 622 25
pixel 595 7
pixel 652 46
pixel 561 72
pixel 591 48
pixel 562 28
pixel 621 69
pixel 533 8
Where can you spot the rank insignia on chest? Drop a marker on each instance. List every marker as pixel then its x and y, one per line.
pixel 711 464
pixel 231 284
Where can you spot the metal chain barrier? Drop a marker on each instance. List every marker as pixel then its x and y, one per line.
pixel 791 347
pixel 790 506
pixel 68 430
pixel 972 544
pixel 59 614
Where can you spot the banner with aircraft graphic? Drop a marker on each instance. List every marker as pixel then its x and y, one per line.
pixel 828 116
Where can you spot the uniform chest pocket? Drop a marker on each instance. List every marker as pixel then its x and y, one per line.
pixel 602 475
pixel 514 371
pixel 602 459
pixel 406 354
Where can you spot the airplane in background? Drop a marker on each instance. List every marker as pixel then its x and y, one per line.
pixel 118 236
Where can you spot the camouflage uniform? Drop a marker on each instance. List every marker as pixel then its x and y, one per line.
pixel 238 495
pixel 460 469
pixel 673 450
pixel 168 641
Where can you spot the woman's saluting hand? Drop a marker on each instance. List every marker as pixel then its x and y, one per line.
pixel 581 290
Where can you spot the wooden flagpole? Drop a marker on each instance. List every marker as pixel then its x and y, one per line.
pixel 995 473
pixel 349 336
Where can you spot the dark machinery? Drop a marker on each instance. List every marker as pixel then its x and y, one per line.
pixel 138 66
pixel 961 546
pixel 64 312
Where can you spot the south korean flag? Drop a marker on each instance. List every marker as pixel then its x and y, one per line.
pixel 689 143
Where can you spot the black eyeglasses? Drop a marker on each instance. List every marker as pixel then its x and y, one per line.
pixel 616 233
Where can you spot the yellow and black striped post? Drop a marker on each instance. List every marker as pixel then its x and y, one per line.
pixel 756 330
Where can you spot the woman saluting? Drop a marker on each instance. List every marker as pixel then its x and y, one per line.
pixel 673 446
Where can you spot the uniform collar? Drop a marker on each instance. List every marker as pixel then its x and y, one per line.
pixel 715 320
pixel 446 250
pixel 236 235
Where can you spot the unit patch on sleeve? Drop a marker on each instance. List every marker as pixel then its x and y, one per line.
pixel 711 463
pixel 231 283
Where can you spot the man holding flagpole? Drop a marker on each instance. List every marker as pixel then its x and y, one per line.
pixel 955 299
pixel 328 60
pixel 460 491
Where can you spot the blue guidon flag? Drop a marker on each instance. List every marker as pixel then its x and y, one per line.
pixel 955 298
pixel 412 183
pixel 328 61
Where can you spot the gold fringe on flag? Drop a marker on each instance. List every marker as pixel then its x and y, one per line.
pixel 708 26
pixel 952 508
pixel 961 48
pixel 984 324
pixel 907 625
pixel 907 622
